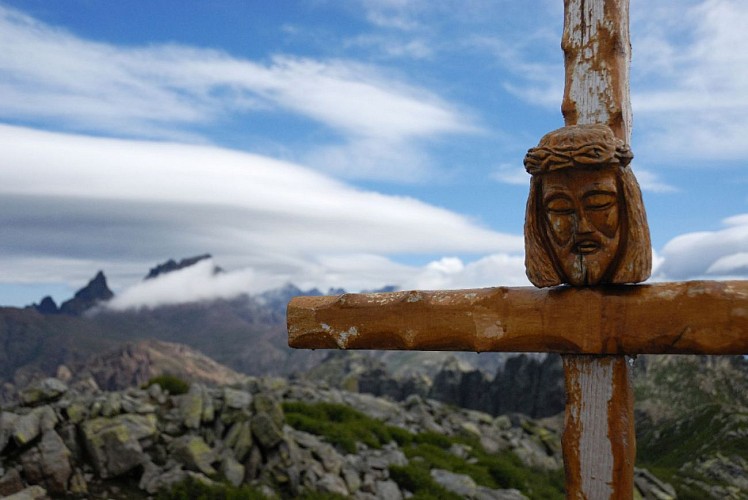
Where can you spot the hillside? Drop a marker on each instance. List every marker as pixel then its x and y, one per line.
pixel 279 438
pixel 692 423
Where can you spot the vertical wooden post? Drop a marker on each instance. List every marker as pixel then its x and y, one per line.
pixel 599 442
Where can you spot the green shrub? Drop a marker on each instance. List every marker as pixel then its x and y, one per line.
pixel 502 470
pixel 318 495
pixel 171 383
pixel 341 425
pixel 192 489
pixel 416 478
pixel 434 438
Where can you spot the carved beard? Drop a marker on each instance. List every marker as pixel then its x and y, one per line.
pixel 581 269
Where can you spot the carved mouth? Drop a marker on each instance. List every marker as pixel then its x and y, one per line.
pixel 586 247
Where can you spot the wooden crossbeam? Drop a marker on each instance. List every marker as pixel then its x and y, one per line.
pixel 704 317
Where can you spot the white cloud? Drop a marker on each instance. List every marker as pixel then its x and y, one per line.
pixel 394 14
pixel 537 79
pixel 452 272
pixel 195 283
pixel 165 91
pixel 394 47
pixel 735 264
pixel 125 205
pixel 689 79
pixel 717 254
pixel 511 174
pixel 351 272
pixel 650 181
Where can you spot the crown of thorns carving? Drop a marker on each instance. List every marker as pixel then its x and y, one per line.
pixel 585 146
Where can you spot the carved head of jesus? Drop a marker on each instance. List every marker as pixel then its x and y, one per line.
pixel 585 221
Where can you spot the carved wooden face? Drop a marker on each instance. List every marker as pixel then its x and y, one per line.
pixel 582 220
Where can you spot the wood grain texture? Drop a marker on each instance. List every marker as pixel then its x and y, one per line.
pixel 599 441
pixel 704 317
pixel 597 55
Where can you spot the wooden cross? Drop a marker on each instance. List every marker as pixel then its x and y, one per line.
pixel 597 321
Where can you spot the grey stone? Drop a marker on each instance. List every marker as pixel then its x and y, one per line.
pixel 7 425
pixel 253 463
pixel 331 483
pixel 650 487
pixel 382 459
pixel 459 450
pixel 232 470
pixel 239 439
pixel 459 484
pixel 112 405
pixel 368 483
pixel 466 487
pixel 47 418
pixel 157 394
pixel 195 454
pixel 388 489
pixel 483 493
pixel 114 443
pixel 266 430
pixel 265 403
pixel 132 404
pixel 28 427
pixel 209 409
pixel 46 390
pixel 502 422
pixel 351 478
pixel 69 434
pixel 10 482
pixel 155 479
pixel 78 485
pixel 48 463
pixel 236 399
pixel 31 493
pixel 76 411
pixel 191 407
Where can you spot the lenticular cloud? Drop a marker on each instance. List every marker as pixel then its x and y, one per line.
pixel 721 254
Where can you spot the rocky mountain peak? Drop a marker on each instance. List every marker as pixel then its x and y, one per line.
pixel 93 293
pixel 171 265
pixel 47 306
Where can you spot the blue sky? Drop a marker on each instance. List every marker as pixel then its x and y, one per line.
pixel 339 143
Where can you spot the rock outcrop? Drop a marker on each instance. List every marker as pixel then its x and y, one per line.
pixel 134 363
pixel 61 442
pixel 529 384
pixel 69 443
pixel 46 306
pixel 94 293
pixel 171 265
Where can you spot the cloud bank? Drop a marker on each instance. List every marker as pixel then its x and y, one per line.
pixel 170 91
pixel 123 205
pixel 721 254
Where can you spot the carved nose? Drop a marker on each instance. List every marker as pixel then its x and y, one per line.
pixel 583 224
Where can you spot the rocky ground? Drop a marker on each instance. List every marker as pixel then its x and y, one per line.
pixel 132 444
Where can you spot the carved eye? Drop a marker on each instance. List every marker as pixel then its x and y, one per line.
pixel 599 201
pixel 559 206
